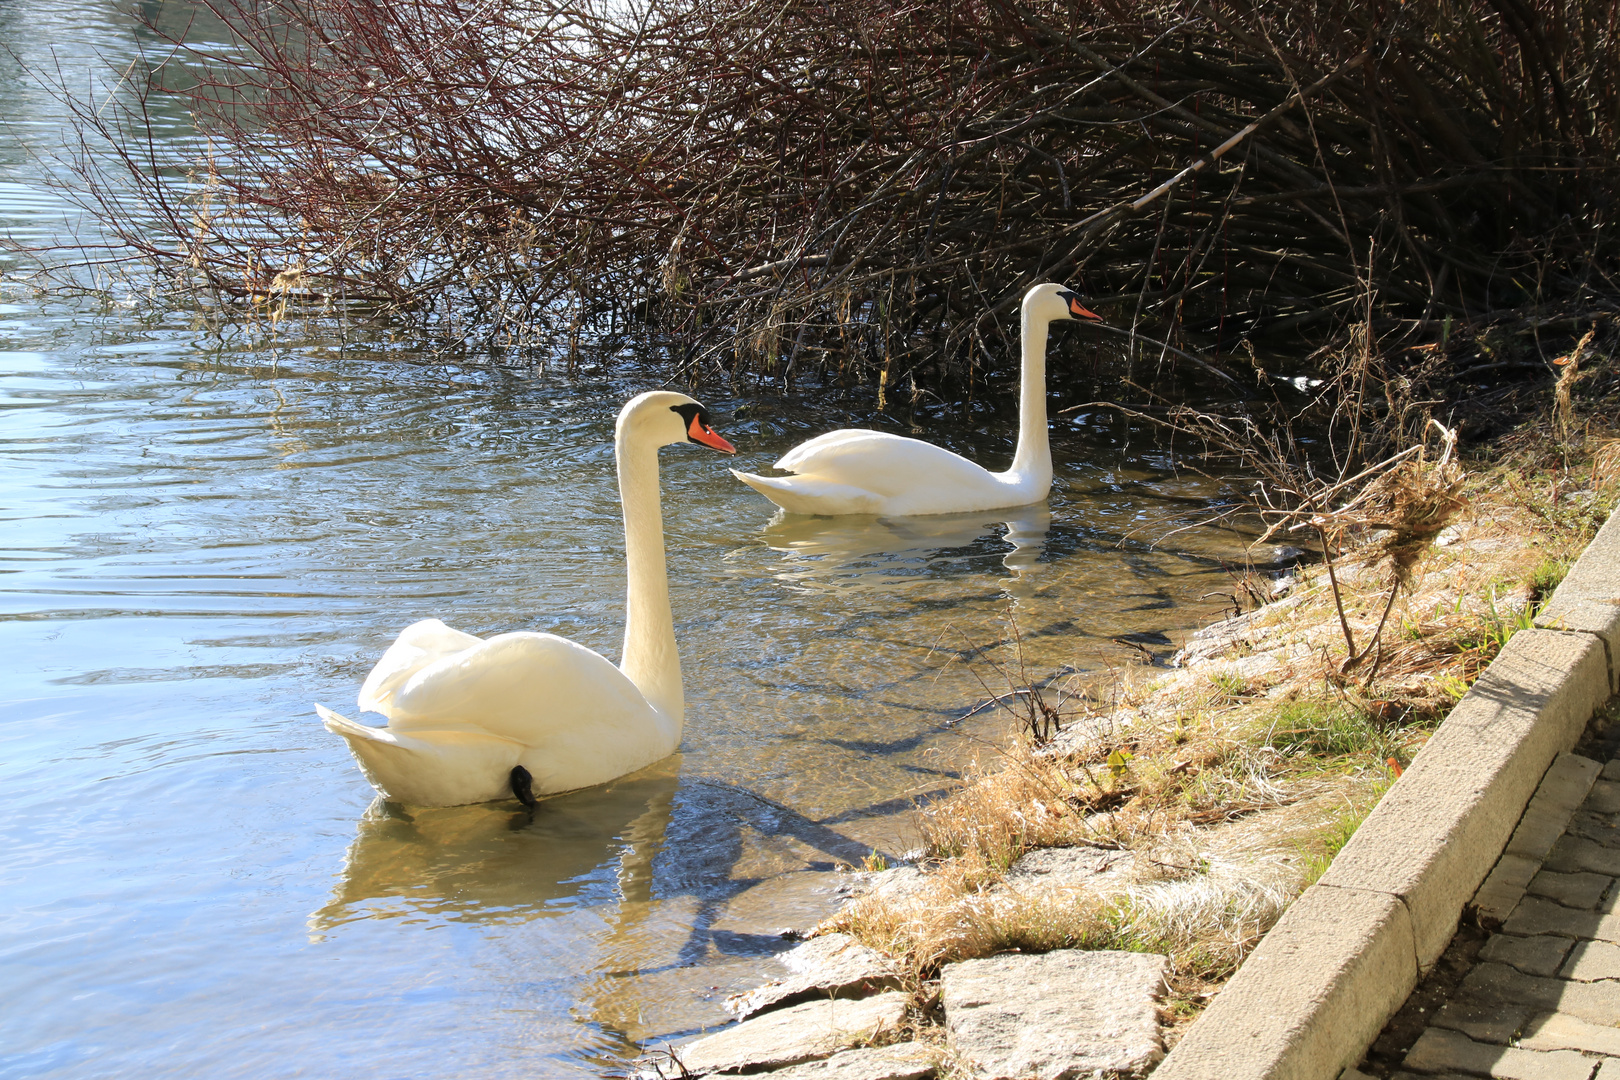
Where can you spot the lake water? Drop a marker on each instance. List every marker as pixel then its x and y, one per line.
pixel 204 534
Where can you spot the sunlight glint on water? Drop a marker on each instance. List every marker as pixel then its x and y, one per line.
pixel 202 538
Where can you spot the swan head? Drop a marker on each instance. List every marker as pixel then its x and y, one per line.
pixel 666 417
pixel 1050 302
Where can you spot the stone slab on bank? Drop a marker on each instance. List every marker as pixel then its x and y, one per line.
pixel 830 966
pixel 902 1061
pixel 816 1029
pixel 1046 1016
pixel 1344 957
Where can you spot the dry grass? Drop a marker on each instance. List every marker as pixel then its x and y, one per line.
pixel 1224 787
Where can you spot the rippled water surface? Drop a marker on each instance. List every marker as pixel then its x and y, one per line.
pixel 204 535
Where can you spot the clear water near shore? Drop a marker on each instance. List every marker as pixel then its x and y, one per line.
pixel 204 536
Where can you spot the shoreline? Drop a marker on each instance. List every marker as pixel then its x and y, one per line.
pixel 1246 660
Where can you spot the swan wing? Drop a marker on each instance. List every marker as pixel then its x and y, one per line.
pixel 793 460
pixel 812 495
pixel 418 646
pixel 879 462
pixel 528 687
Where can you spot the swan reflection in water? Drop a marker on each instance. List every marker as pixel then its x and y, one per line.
pixel 661 861
pixel 495 862
pixel 867 550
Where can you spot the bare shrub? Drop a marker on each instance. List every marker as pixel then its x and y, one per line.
pixel 864 189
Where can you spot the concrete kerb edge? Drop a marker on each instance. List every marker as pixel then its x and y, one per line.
pixel 1286 1011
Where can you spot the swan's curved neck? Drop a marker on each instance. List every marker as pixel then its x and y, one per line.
pixel 649 656
pixel 1032 461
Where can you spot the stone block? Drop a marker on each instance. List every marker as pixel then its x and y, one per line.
pixel 1556 1031
pixel 1597 1003
pixel 1505 887
pixel 1311 997
pixel 1538 916
pixel 1484 1023
pixel 1592 960
pixel 1576 853
pixel 1581 889
pixel 1588 599
pixel 1438 1049
pixel 1599 618
pixel 901 1061
pixel 1611 771
pixel 1439 830
pixel 1539 955
pixel 830 966
pixel 1054 1015
pixel 816 1029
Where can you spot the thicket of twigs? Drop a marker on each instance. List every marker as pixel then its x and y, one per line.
pixel 861 190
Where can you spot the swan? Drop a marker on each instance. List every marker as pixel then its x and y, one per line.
pixel 872 472
pixel 473 720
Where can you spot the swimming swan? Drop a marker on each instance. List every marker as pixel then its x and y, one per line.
pixel 473 720
pixel 873 472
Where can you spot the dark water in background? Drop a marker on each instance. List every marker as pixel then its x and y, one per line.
pixel 204 535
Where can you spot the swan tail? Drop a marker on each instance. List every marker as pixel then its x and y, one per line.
pixel 339 724
pixel 808 495
pixel 429 768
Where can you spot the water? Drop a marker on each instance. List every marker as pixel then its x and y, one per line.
pixel 205 534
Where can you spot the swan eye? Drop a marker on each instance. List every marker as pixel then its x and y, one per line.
pixel 698 429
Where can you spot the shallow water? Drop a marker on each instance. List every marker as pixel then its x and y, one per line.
pixel 205 535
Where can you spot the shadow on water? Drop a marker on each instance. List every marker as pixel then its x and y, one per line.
pixel 652 852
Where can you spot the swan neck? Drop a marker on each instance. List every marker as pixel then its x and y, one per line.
pixel 649 658
pixel 1033 458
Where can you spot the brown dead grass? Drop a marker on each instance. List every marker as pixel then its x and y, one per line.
pixel 1231 782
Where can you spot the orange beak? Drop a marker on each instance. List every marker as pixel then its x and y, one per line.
pixel 1080 311
pixel 698 431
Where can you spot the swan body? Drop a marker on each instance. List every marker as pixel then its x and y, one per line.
pixel 466 713
pixel 873 472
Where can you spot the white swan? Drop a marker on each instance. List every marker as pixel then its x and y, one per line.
pixel 872 472
pixel 471 720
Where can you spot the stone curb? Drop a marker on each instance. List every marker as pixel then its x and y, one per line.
pixel 1344 957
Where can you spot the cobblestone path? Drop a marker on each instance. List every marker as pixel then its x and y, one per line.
pixel 1530 987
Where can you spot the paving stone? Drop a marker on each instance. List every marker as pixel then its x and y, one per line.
pixel 1573 853
pixel 1579 890
pixel 1604 798
pixel 1608 1069
pixel 1539 955
pixel 1537 916
pixel 1439 1049
pixel 1058 1014
pixel 902 1061
pixel 1599 828
pixel 1611 771
pixel 1557 1031
pixel 1484 1023
pixel 830 966
pixel 1505 886
pixel 816 1029
pixel 1490 983
pixel 1431 1076
pixel 1592 960
pixel 1538 830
